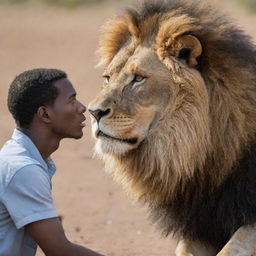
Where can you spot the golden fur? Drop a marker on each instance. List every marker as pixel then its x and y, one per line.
pixel 232 114
pixel 209 119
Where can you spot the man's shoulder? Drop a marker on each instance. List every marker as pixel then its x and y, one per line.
pixel 22 168
pixel 12 159
pixel 21 154
pixel 16 149
pixel 12 147
pixel 13 156
pixel 10 162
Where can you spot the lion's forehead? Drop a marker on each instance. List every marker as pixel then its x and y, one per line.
pixel 141 59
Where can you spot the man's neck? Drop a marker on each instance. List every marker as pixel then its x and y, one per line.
pixel 45 143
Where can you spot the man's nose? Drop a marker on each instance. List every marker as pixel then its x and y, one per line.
pixel 82 107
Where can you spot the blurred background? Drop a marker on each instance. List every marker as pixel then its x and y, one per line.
pixel 249 4
pixel 64 34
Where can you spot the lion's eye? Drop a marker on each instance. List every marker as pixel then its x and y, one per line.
pixel 138 78
pixel 107 78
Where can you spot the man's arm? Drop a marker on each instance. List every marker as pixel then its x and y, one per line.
pixel 50 236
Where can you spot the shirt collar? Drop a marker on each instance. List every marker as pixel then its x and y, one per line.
pixel 26 142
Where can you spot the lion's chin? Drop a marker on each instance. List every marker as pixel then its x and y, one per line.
pixel 115 147
pixel 131 141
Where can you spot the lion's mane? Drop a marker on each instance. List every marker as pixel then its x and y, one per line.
pixel 209 193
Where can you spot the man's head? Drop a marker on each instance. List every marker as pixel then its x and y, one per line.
pixel 47 97
pixel 31 90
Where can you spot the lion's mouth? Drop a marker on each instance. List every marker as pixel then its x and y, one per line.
pixel 131 141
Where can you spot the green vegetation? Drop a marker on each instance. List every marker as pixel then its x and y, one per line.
pixel 68 3
pixel 71 2
pixel 12 1
pixel 249 4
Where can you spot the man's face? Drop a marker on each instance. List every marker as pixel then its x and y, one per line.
pixel 67 116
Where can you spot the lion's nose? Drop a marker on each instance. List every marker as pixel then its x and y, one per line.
pixel 99 113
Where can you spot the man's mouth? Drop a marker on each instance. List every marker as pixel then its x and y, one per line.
pixel 131 141
pixel 82 123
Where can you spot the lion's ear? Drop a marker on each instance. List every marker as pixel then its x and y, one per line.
pixel 187 47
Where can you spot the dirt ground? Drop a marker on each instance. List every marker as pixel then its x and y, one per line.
pixel 96 213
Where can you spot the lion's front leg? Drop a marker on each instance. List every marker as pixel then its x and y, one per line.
pixel 193 248
pixel 242 243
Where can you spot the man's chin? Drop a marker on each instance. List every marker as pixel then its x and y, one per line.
pixel 79 136
pixel 75 136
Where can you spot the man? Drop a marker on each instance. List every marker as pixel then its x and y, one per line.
pixel 44 105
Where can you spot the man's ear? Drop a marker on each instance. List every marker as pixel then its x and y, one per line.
pixel 43 114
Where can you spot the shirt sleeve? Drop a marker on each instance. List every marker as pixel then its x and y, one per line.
pixel 28 196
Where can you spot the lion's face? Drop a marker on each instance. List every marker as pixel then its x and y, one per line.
pixel 131 102
pixel 139 93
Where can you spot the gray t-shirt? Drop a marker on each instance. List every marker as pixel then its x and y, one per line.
pixel 25 194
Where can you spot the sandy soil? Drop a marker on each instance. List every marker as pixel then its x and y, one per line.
pixel 96 213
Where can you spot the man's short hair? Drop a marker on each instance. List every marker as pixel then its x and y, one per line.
pixel 31 90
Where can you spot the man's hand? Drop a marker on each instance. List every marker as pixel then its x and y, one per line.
pixel 50 236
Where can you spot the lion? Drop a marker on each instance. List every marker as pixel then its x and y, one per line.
pixel 175 122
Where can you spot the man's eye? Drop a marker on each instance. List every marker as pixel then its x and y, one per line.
pixel 107 78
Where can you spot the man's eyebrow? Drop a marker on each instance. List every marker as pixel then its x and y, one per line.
pixel 73 95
